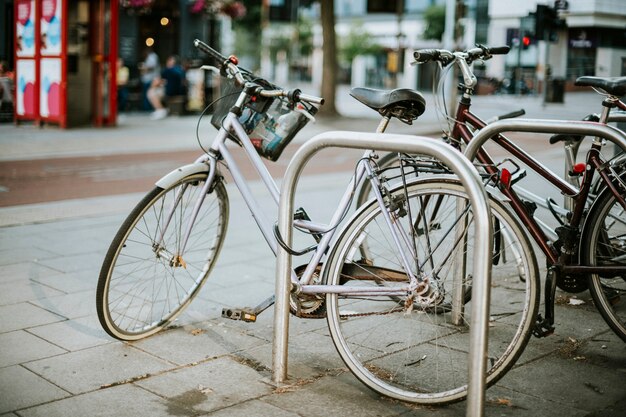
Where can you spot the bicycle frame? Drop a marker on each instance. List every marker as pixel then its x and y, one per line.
pixel 579 196
pixel 594 163
pixel 219 149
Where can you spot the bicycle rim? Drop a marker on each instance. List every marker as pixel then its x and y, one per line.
pixel 419 354
pixel 604 242
pixel 145 281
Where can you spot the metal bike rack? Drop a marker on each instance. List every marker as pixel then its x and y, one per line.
pixel 545 126
pixel 482 223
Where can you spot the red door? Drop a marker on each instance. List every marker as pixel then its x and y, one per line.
pixel 104 26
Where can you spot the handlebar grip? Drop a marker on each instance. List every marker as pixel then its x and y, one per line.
pixel 311 99
pixel 513 114
pixel 499 50
pixel 425 55
pixel 216 56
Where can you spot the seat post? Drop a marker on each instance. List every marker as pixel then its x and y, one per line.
pixel 382 126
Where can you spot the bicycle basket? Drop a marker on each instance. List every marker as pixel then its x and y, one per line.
pixel 275 128
pixel 271 123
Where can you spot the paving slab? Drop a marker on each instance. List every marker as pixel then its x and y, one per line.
pixel 194 343
pixel 210 386
pixel 310 355
pixel 121 401
pixel 21 252
pixel 20 346
pixel 25 315
pixel 89 369
pixel 567 381
pixel 502 401
pixel 334 395
pixel 68 283
pixel 257 408
pixel 75 334
pixel 25 290
pixel 84 262
pixel 72 306
pixel 20 388
pixel 24 271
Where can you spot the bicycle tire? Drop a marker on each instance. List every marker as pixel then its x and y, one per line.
pixel 143 285
pixel 384 344
pixel 604 243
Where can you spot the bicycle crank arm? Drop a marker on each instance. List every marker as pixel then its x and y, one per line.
pixel 247 314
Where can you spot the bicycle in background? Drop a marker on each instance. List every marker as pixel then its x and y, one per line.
pixel 588 248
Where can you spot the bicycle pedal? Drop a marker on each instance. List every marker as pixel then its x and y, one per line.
pixel 239 314
pixel 542 328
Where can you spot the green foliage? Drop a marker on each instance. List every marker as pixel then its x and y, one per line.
pixel 357 42
pixel 305 36
pixel 251 22
pixel 435 18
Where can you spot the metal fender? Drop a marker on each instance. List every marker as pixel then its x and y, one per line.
pixel 180 173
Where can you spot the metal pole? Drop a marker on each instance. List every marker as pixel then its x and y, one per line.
pixel 482 224
pixel 607 132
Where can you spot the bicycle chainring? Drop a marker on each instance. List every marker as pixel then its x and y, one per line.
pixel 572 283
pixel 308 305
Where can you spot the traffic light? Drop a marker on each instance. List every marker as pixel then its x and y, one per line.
pixel 546 22
pixel 527 40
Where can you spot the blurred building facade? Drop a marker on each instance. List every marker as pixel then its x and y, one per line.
pixel 589 38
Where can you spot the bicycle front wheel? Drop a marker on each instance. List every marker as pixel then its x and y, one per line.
pixel 145 281
pixel 604 244
pixel 417 350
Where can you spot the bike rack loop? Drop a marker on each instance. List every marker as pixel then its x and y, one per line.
pixel 610 133
pixel 482 222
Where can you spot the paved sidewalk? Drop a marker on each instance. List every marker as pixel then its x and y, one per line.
pixel 55 360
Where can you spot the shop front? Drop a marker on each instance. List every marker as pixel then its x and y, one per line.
pixel 64 56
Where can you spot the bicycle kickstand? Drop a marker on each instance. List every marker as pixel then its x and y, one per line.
pixel 545 326
pixel 247 314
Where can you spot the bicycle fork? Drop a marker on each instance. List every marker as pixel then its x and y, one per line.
pixel 393 210
pixel 177 259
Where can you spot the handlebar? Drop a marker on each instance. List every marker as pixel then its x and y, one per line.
pixel 216 56
pixel 445 57
pixel 228 66
pixel 225 65
pixel 463 59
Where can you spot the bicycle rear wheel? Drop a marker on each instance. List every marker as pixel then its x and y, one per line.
pixel 145 282
pixel 604 244
pixel 419 353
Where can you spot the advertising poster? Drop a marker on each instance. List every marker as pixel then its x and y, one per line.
pixel 25 88
pixel 25 28
pixel 51 23
pixel 50 92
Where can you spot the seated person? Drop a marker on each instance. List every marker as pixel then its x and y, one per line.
pixel 171 83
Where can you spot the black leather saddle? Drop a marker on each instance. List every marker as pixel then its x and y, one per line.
pixel 615 86
pixel 402 103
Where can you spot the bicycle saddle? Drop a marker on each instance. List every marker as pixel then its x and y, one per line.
pixel 615 86
pixel 402 103
pixel 564 137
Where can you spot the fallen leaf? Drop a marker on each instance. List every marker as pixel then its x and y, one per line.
pixel 204 390
pixel 196 332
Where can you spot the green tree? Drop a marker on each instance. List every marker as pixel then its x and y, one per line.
pixel 248 32
pixel 435 18
pixel 358 42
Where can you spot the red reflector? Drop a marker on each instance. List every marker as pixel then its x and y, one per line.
pixel 505 177
pixel 233 59
pixel 579 168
